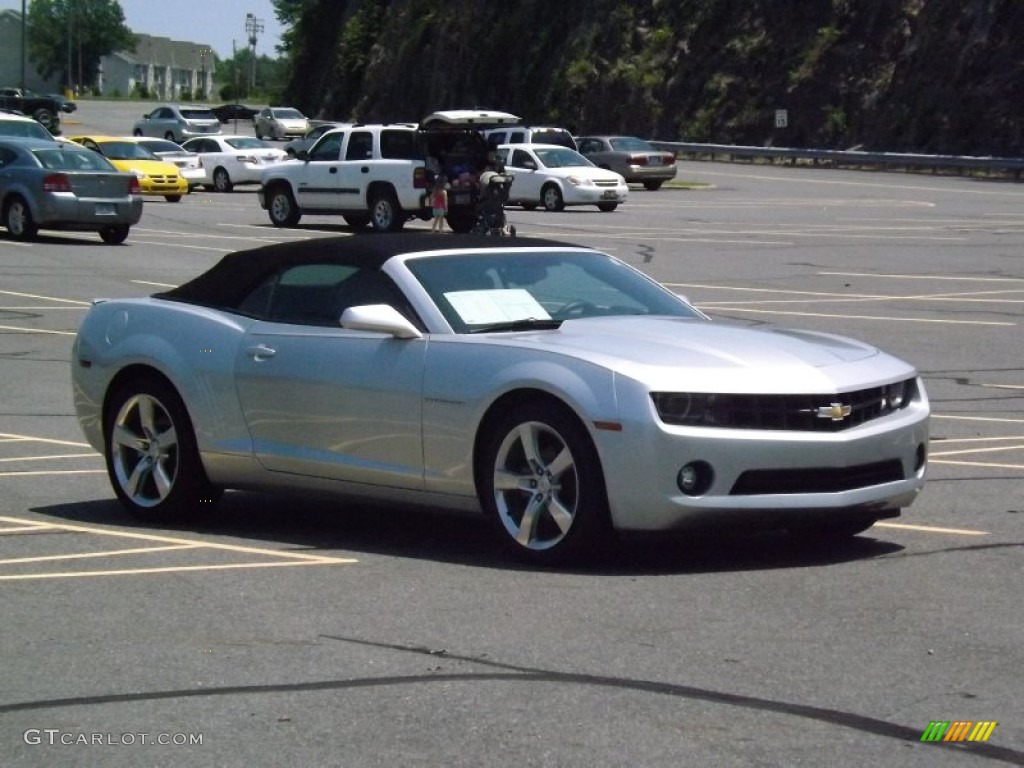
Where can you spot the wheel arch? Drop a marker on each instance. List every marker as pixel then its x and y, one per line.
pixel 515 399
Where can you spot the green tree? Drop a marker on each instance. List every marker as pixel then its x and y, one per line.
pixel 70 36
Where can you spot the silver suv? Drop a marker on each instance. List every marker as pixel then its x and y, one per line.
pixel 177 122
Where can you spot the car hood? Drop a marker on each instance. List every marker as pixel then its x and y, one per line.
pixel 698 355
pixel 148 167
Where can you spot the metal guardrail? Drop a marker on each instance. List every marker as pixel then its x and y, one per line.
pixel 845 158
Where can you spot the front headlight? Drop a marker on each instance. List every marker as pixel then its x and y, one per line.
pixel 579 181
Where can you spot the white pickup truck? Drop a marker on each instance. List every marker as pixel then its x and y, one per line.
pixel 379 174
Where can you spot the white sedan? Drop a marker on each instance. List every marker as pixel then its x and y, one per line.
pixel 188 162
pixel 554 176
pixel 231 160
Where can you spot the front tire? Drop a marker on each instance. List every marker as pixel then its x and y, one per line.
pixel 45 117
pixel 551 198
pixel 18 219
pixel 172 198
pixel 607 207
pixel 540 481
pixel 281 207
pixel 114 235
pixel 222 181
pixel 151 454
pixel 653 186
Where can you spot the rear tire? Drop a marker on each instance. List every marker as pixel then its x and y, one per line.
pixel 607 207
pixel 222 181
pixel 114 235
pixel 281 207
pixel 151 454
pixel 540 481
pixel 18 219
pixel 653 186
pixel 45 117
pixel 385 213
pixel 172 198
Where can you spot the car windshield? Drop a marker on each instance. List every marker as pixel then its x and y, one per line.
pixel 288 114
pixel 561 158
pixel 66 158
pixel 160 145
pixel 126 150
pixel 198 114
pixel 630 144
pixel 519 290
pixel 245 142
pixel 25 129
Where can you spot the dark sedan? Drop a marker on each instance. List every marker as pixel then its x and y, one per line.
pixel 228 112
pixel 635 159
pixel 47 184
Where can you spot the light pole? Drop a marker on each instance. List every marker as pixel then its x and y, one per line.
pixel 253 27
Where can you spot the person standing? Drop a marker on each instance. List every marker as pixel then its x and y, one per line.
pixel 438 204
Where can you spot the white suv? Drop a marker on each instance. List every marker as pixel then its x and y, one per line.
pixel 523 134
pixel 379 174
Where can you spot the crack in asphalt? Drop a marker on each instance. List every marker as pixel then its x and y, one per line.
pixel 517 673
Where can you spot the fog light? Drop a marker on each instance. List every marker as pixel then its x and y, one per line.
pixel 695 478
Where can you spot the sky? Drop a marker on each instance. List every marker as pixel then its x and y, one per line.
pixel 216 22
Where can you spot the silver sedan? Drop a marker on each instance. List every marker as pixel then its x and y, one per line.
pixel 550 387
pixel 46 184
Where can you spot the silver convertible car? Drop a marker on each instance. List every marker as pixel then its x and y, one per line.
pixel 551 387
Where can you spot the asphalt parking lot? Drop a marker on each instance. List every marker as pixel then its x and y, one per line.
pixel 301 631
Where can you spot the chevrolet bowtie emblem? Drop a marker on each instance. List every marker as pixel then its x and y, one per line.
pixel 834 411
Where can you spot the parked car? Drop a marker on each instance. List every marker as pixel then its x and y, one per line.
pixel 280 123
pixel 66 104
pixel 58 185
pixel 293 147
pixel 636 160
pixel 228 112
pixel 19 126
pixel 231 160
pixel 549 386
pixel 35 105
pixel 188 162
pixel 555 176
pixel 156 177
pixel 177 122
pixel 530 134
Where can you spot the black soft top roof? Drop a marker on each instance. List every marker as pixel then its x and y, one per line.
pixel 229 281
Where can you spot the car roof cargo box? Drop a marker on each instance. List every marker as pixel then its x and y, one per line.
pixel 468 118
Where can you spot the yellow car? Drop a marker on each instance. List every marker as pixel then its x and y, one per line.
pixel 156 176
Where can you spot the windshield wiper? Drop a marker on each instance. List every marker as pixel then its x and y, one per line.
pixel 527 324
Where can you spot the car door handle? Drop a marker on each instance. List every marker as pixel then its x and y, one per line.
pixel 261 352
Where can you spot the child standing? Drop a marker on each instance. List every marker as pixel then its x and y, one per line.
pixel 438 204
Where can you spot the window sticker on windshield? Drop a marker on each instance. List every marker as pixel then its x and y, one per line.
pixel 496 306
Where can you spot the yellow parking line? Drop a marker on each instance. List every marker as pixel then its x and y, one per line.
pixel 990 465
pixel 85 555
pixel 57 456
pixel 999 419
pixel 35 330
pixel 726 308
pixel 32 473
pixel 44 298
pixel 170 569
pixel 15 437
pixel 932 529
pixel 980 450
pixel 173 540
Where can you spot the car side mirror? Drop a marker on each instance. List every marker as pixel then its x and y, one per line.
pixel 379 318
